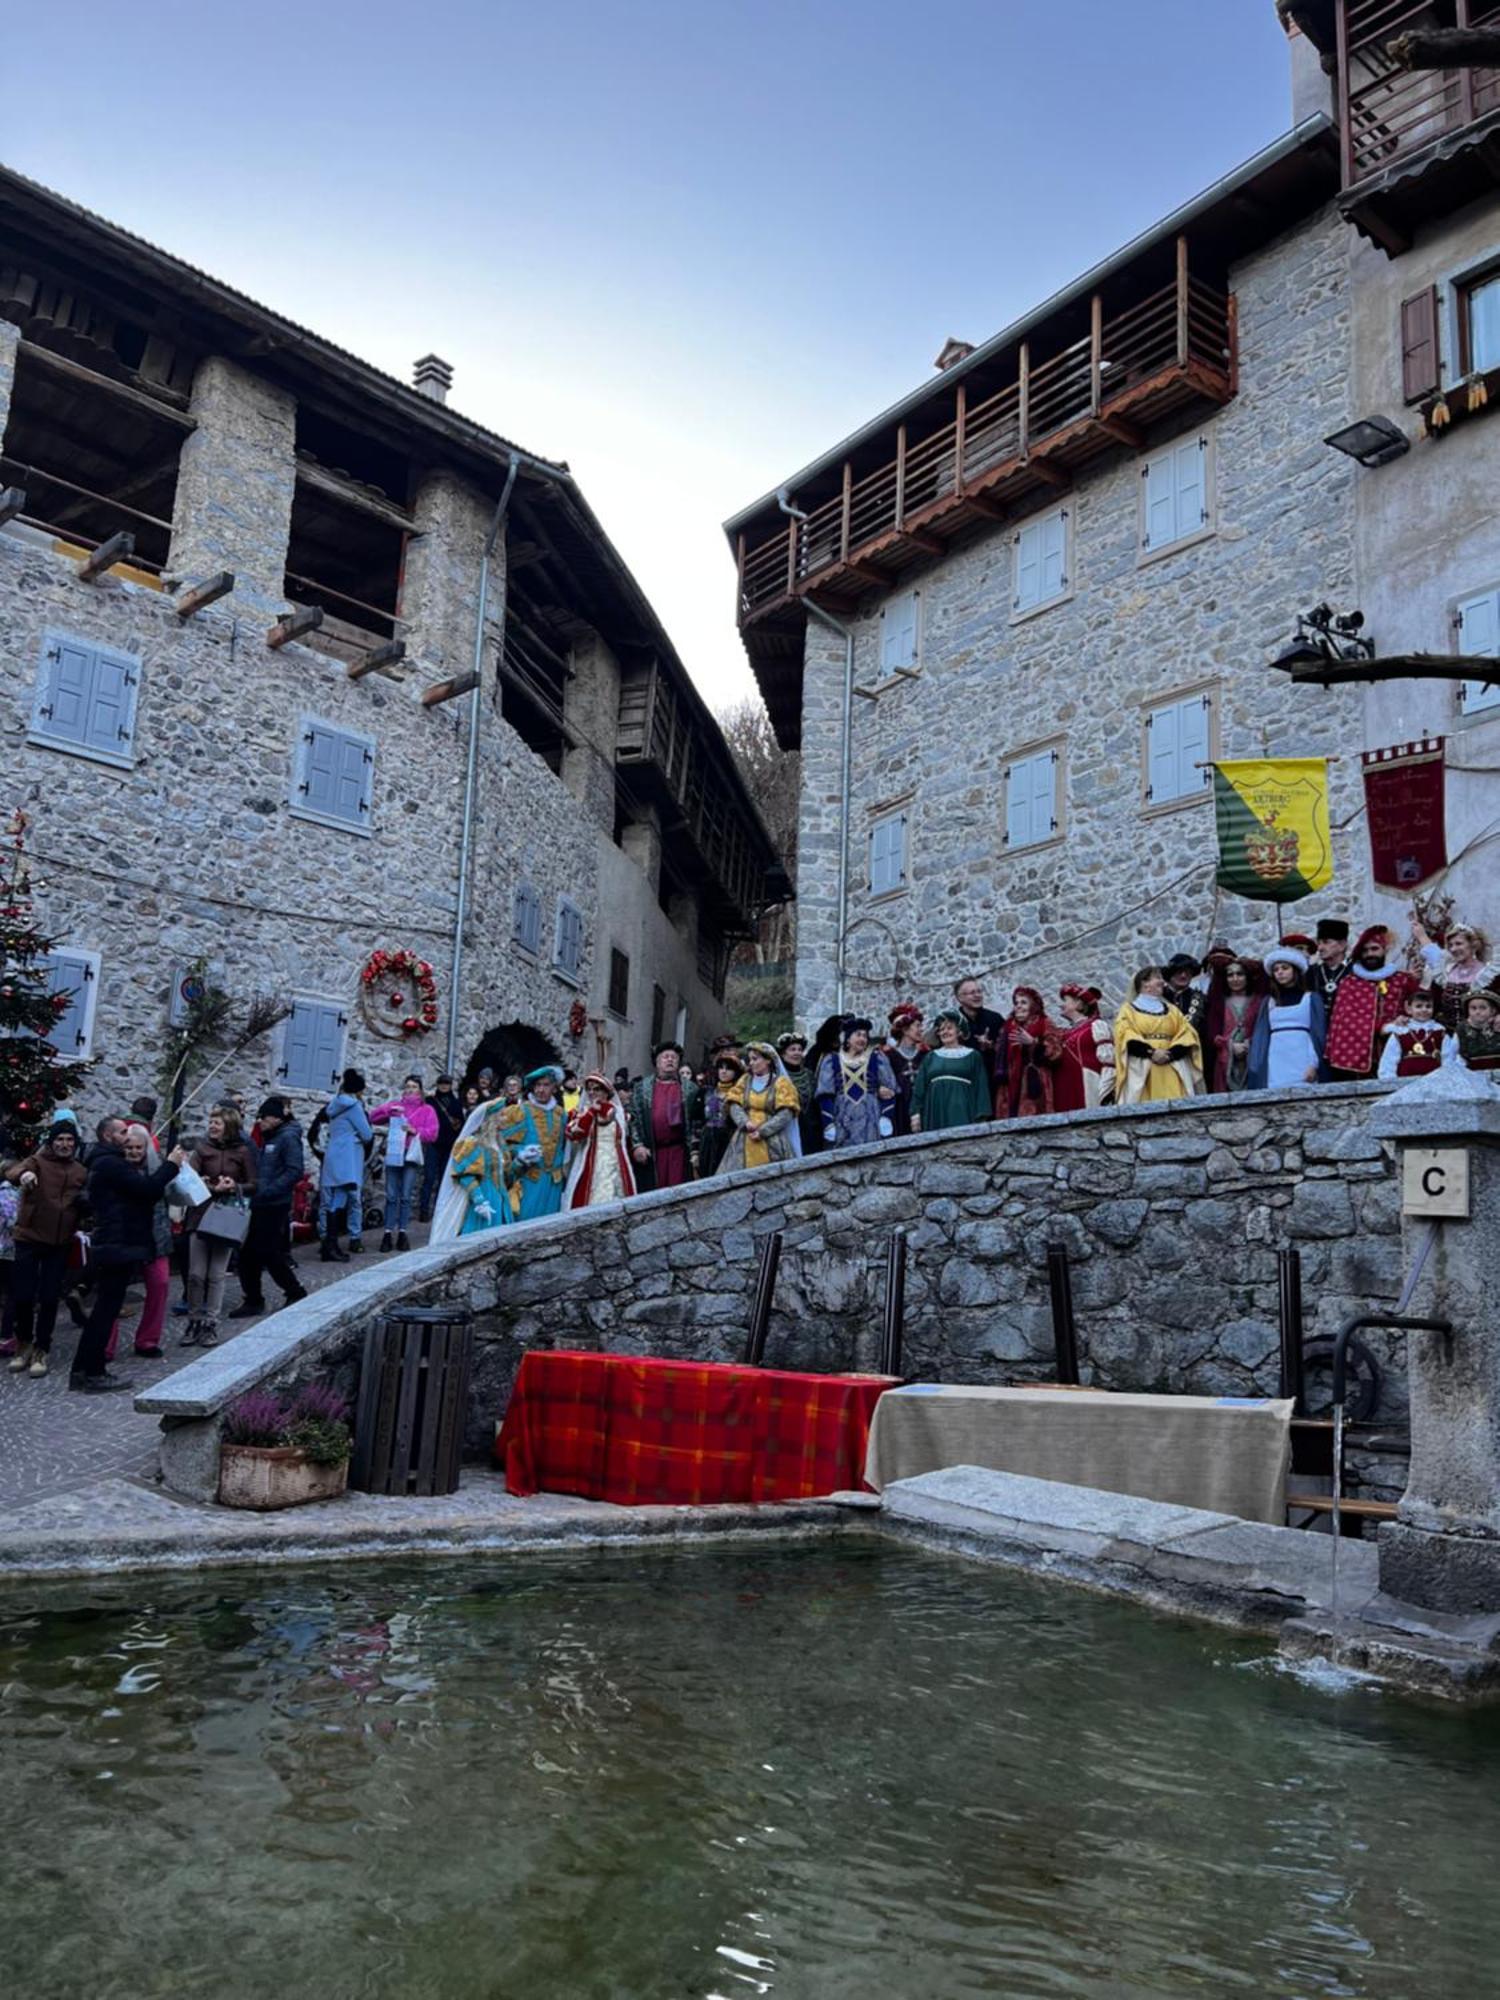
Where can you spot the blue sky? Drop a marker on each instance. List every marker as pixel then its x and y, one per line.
pixel 684 247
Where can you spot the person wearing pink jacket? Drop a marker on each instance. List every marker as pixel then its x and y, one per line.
pixel 411 1124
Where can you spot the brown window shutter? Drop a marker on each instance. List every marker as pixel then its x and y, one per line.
pixel 1419 345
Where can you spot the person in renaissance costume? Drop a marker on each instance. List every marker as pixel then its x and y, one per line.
pixel 727 1070
pixel 1085 1074
pixel 1417 1043
pixel 1033 1048
pixel 856 1088
pixel 535 1135
pixel 1462 966
pixel 906 1049
pixel 952 1082
pixel 1479 1031
pixel 666 1111
pixel 1372 996
pixel 1157 1055
pixel 1235 1000
pixel 1330 968
pixel 1184 991
pixel 802 1075
pixel 475 1193
pixel 1286 1044
pixel 762 1107
pixel 599 1133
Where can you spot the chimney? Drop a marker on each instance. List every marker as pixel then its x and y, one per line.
pixel 953 352
pixel 432 378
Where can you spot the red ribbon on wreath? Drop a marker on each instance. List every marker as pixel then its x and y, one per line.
pixel 384 980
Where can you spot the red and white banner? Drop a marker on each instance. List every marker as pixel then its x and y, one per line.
pixel 1404 807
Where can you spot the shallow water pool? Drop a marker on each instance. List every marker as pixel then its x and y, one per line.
pixel 817 1770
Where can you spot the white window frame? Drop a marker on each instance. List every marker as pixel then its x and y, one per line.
pixel 898 816
pixel 573 975
pixel 1054 749
pixel 891 667
pixel 1205 693
pixel 38 732
pixel 1474 698
pixel 284 1035
pixel 364 826
pixel 1022 606
pixel 1149 551
pixel 90 960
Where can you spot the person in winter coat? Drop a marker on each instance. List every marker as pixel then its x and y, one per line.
pixel 268 1243
pixel 411 1126
pixel 51 1181
pixel 347 1132
pixel 123 1193
pixel 228 1166
pixel 450 1115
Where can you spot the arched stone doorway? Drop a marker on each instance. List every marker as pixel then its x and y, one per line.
pixel 510 1050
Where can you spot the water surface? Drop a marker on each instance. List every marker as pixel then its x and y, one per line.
pixel 818 1771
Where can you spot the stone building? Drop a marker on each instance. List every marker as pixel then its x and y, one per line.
pixel 204 786
pixel 1011 619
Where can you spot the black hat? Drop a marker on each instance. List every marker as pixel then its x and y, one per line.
pixel 275 1107
pixel 1331 929
pixel 1183 962
pixel 662 1047
pixel 851 1024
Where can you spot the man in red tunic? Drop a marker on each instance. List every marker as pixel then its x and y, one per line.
pixel 1372 995
pixel 665 1119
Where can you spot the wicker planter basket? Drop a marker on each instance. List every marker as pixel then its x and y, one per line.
pixel 275 1475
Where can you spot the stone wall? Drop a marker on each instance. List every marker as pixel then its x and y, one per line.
pixel 1123 881
pixel 1172 1216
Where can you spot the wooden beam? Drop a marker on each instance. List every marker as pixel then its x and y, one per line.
pixel 960 426
pixel 1025 396
pixel 867 573
pixel 932 544
pixel 1051 475
pixel 1445 48
pixel 1182 301
pixel 379 659
pixel 993 510
pixel 292 624
pixel 119 548
pixel 137 398
pixel 845 509
pixel 12 502
pixel 206 591
pixel 1122 432
pixel 900 474
pixel 321 480
pixel 449 690
pixel 1096 352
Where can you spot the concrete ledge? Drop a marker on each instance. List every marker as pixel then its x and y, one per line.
pixel 1213 1566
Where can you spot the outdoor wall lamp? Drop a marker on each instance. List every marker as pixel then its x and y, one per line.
pixel 1325 634
pixel 1370 441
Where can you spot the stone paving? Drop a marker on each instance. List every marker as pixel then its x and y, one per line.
pixel 55 1443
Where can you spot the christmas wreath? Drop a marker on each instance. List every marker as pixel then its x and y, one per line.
pixel 398 993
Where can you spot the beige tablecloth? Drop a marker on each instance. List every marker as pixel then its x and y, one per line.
pixel 1227 1455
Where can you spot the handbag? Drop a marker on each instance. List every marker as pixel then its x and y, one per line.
pixel 225 1221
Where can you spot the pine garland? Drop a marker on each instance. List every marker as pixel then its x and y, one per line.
pixel 34 1076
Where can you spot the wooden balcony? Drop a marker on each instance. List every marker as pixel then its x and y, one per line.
pixel 1001 450
pixel 1416 142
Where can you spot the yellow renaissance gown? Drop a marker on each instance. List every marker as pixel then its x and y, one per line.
pixel 1140 1030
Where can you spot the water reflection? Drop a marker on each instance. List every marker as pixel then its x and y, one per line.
pixel 822 1771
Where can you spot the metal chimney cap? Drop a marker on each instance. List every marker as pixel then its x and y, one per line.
pixel 433 377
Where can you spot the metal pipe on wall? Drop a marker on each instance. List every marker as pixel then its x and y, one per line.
pixel 471 774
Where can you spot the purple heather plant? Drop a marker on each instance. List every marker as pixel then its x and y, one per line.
pixel 319 1403
pixel 258 1417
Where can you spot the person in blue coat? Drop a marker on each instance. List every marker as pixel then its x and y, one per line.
pixel 345 1132
pixel 1286 1043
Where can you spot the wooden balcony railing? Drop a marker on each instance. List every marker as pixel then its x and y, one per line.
pixel 1388 113
pixel 1070 404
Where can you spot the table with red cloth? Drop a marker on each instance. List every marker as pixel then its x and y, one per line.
pixel 640 1431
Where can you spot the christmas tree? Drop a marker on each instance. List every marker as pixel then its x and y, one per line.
pixel 33 1077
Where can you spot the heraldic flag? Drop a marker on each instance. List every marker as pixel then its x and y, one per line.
pixel 1272 818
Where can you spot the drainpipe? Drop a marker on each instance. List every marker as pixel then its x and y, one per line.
pixel 471 775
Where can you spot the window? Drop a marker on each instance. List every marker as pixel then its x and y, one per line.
pixel 335 776
pixel 1175 497
pixel 75 973
pixel 567 940
pixel 619 982
pixel 312 1045
pixel 898 632
pixel 1033 802
pixel 658 1015
pixel 1041 558
pixel 526 921
pixel 1479 322
pixel 1178 737
pixel 888 854
pixel 1478 621
pixel 85 700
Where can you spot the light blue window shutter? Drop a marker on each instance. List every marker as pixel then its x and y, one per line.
pixel 888 854
pixel 354 765
pixel 1017 806
pixel 71 973
pixel 1162 753
pixel 318 785
pixel 1192 745
pixel 1054 543
pixel 65 689
pixel 898 632
pixel 1030 814
pixel 1190 482
pixel 327 1055
pixel 111 716
pixel 1479 632
pixel 1029 566
pixel 298 1046
pixel 1161 503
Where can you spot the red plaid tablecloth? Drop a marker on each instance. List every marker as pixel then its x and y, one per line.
pixel 635 1431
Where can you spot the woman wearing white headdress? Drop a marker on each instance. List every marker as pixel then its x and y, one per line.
pixel 475 1194
pixel 600 1135
pixel 762 1106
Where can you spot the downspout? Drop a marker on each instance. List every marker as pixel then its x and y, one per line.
pixel 846 633
pixel 471 775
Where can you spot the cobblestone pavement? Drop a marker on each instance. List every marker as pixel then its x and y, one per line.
pixel 52 1442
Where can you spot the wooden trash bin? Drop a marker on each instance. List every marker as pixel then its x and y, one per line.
pixel 413 1395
